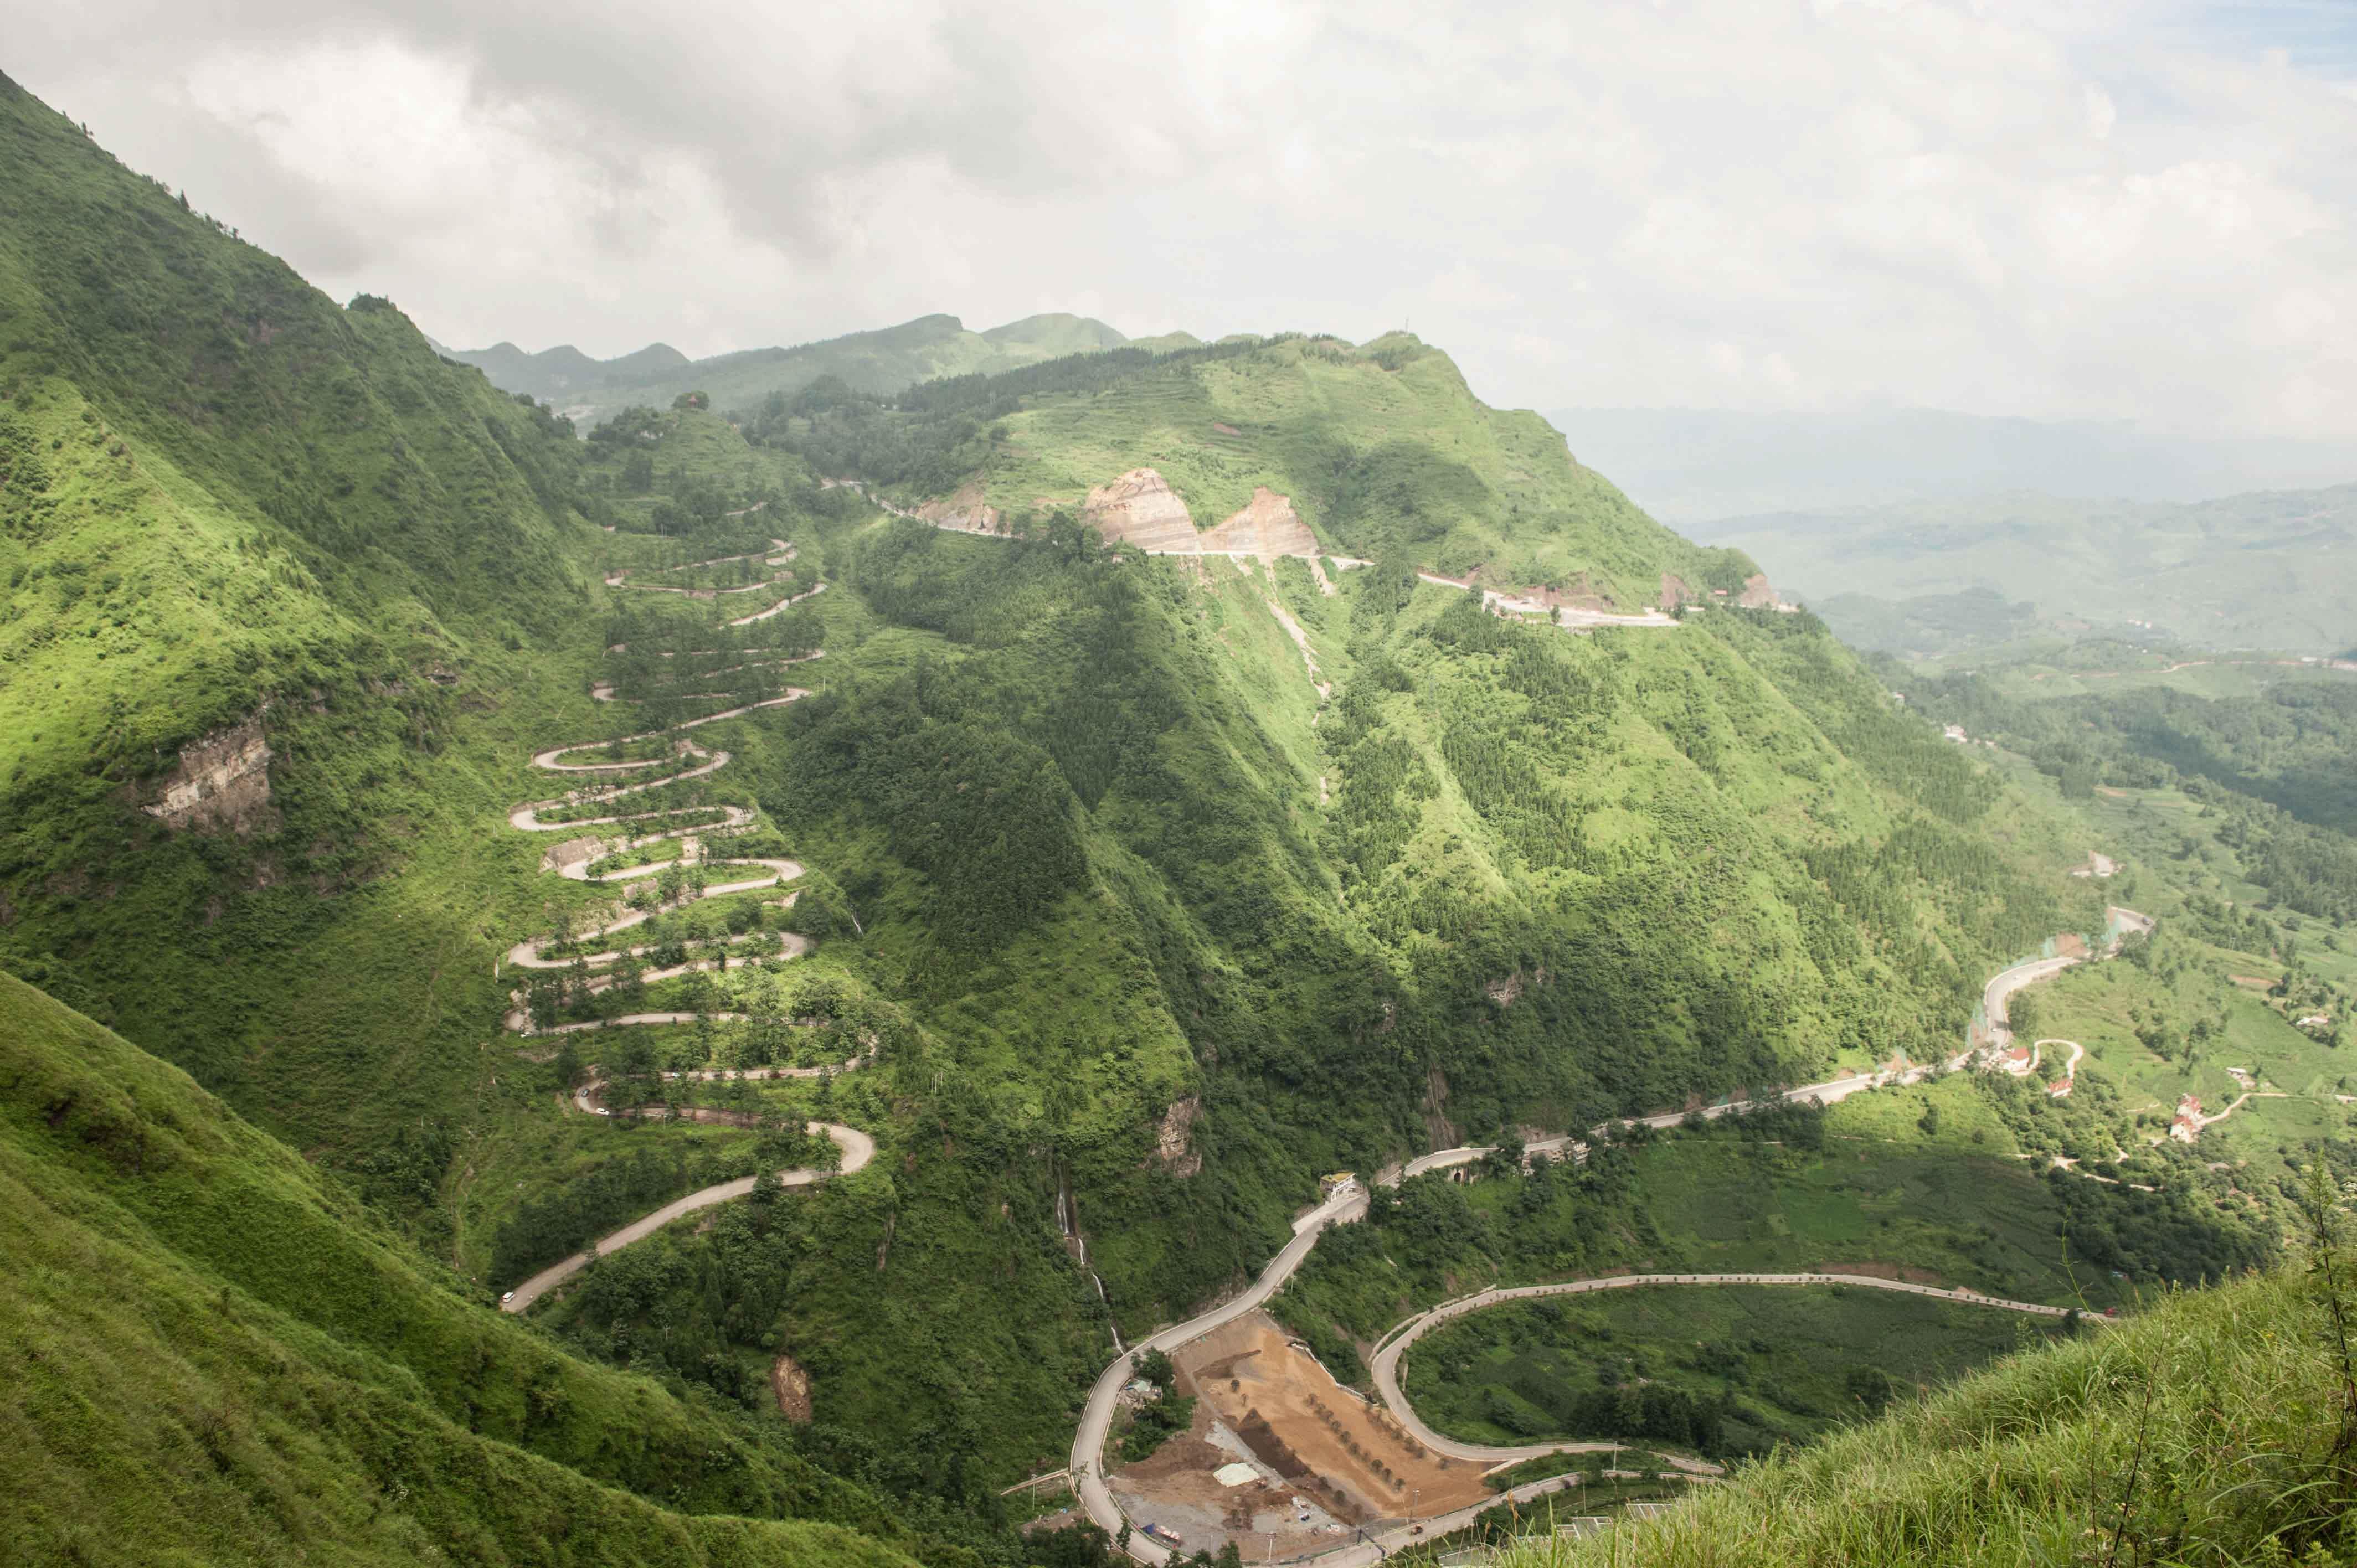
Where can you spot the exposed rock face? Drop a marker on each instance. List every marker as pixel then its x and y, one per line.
pixel 223 781
pixel 1141 508
pixel 1171 1138
pixel 965 510
pixel 1268 528
pixel 1674 591
pixel 1757 594
pixel 792 1384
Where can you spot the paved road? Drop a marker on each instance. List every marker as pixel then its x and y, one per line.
pixel 1096 1416
pixel 1386 1366
pixel 858 1148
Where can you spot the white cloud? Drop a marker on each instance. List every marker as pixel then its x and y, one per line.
pixel 2097 210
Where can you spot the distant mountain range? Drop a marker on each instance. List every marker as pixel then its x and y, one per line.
pixel 1689 466
pixel 2273 569
pixel 880 361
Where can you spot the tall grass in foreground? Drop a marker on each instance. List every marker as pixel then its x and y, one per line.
pixel 2219 1428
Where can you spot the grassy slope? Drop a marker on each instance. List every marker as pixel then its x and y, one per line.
pixel 221 1357
pixel 1378 446
pixel 258 503
pixel 2212 1429
pixel 1777 1361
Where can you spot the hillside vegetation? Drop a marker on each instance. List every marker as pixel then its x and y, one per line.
pixel 2216 1428
pixel 218 1358
pixel 1144 891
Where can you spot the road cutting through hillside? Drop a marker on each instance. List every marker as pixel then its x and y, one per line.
pixel 1385 1365
pixel 573 861
pixel 1089 1480
pixel 1571 619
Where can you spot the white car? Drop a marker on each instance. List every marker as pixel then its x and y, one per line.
pixel 506 1298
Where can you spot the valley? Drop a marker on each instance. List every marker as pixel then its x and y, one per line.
pixel 671 992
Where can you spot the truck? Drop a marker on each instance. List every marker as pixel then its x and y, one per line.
pixel 1167 1537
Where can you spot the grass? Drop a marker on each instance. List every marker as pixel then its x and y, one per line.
pixel 225 1360
pixel 2213 1429
pixel 1775 1364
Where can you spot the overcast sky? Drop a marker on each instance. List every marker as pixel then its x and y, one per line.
pixel 2097 208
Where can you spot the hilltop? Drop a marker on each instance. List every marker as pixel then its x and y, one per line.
pixel 883 360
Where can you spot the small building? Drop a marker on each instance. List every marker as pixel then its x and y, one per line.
pixel 2187 1125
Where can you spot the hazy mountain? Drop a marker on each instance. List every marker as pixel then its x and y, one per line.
pixel 1691 466
pixel 2273 569
pixel 882 360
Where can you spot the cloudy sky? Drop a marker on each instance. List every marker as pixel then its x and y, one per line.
pixel 2124 209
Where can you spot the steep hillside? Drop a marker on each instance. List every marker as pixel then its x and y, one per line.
pixel 2215 1429
pixel 277 582
pixel 217 1358
pixel 880 361
pixel 1209 876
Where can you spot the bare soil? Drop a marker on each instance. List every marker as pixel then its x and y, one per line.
pixel 792 1385
pixel 1341 1454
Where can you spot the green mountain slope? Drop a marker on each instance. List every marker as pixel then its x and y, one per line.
pixel 276 579
pixel 880 361
pixel 1165 886
pixel 2215 1429
pixel 216 1357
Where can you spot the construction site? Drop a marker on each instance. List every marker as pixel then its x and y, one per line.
pixel 1282 1459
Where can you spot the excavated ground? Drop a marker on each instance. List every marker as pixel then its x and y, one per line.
pixel 1258 1391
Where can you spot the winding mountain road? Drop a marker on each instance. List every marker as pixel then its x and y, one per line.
pixel 1096 1497
pixel 856 1147
pixel 1386 1366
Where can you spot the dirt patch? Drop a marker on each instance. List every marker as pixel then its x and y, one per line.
pixel 1674 591
pixel 1225 429
pixel 1351 1458
pixel 1756 594
pixel 792 1384
pixel 2070 945
pixel 2252 982
pixel 963 510
pixel 1268 528
pixel 2115 794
